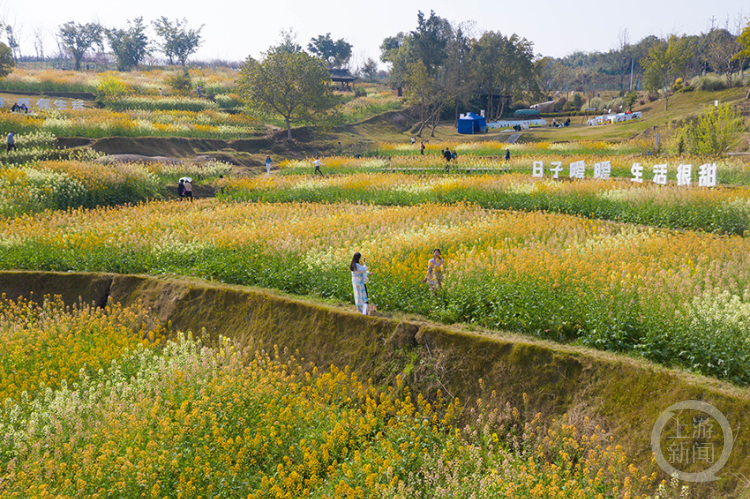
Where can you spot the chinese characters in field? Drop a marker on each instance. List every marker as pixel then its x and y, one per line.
pixel 26 105
pixel 659 173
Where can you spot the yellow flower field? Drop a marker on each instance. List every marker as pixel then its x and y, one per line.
pixel 192 421
pixel 658 293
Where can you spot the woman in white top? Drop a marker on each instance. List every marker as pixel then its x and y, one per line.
pixel 359 282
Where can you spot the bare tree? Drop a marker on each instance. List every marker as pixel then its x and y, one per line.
pixel 39 43
pixel 12 31
pixel 722 48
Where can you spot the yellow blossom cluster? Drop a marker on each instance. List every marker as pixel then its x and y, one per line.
pixel 42 345
pixel 194 421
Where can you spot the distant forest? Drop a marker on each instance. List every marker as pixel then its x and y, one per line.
pixel 712 52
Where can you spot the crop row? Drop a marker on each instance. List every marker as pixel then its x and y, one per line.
pixel 673 297
pixel 722 210
pixel 96 123
pixel 60 185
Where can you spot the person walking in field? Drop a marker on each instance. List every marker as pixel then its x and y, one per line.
pixel 11 142
pixel 188 189
pixel 421 148
pixel 413 140
pixel 434 275
pixel 181 189
pixel 507 155
pixel 318 164
pixel 448 157
pixel 359 271
pixel 268 165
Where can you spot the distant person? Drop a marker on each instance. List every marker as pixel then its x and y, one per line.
pixel 413 140
pixel 507 155
pixel 360 279
pixel 434 275
pixel 318 164
pixel 447 155
pixel 198 90
pixel 15 108
pixel 454 155
pixel 421 148
pixel 567 122
pixel 161 92
pixel 11 142
pixel 188 190
pixel 181 189
pixel 268 165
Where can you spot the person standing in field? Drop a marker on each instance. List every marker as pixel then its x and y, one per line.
pixel 318 164
pixel 434 275
pixel 413 140
pixel 181 189
pixel 188 189
pixel 507 155
pixel 268 165
pixel 11 141
pixel 359 271
pixel 421 148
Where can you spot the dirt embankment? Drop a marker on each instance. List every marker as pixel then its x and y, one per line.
pixel 624 395
pixel 251 151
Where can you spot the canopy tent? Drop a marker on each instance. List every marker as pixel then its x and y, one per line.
pixel 471 123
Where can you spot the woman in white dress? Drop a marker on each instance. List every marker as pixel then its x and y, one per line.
pixel 359 282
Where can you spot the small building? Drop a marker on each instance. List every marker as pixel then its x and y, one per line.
pixel 470 123
pixel 343 77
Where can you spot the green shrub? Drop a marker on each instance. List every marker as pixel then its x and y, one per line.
pixel 228 101
pixel 112 87
pixel 714 133
pixel 180 82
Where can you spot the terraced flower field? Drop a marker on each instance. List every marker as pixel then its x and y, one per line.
pixel 679 298
pixel 722 210
pixel 184 420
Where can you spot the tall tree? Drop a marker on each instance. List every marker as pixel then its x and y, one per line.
pixel 722 47
pixel 369 69
pixel 288 43
pixel 430 41
pixel 505 66
pixel 334 53
pixel 398 52
pixel 15 47
pixel 79 38
pixel 130 45
pixel 665 62
pixel 178 42
pixel 6 60
pixel 295 86
pixel 744 53
pixel 39 43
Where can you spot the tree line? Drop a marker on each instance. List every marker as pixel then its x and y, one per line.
pixel 442 66
pixel 129 46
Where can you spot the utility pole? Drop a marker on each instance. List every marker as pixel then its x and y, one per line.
pixel 631 72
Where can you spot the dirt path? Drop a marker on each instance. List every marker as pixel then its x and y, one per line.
pixel 514 138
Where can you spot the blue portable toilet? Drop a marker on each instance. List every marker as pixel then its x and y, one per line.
pixel 471 123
